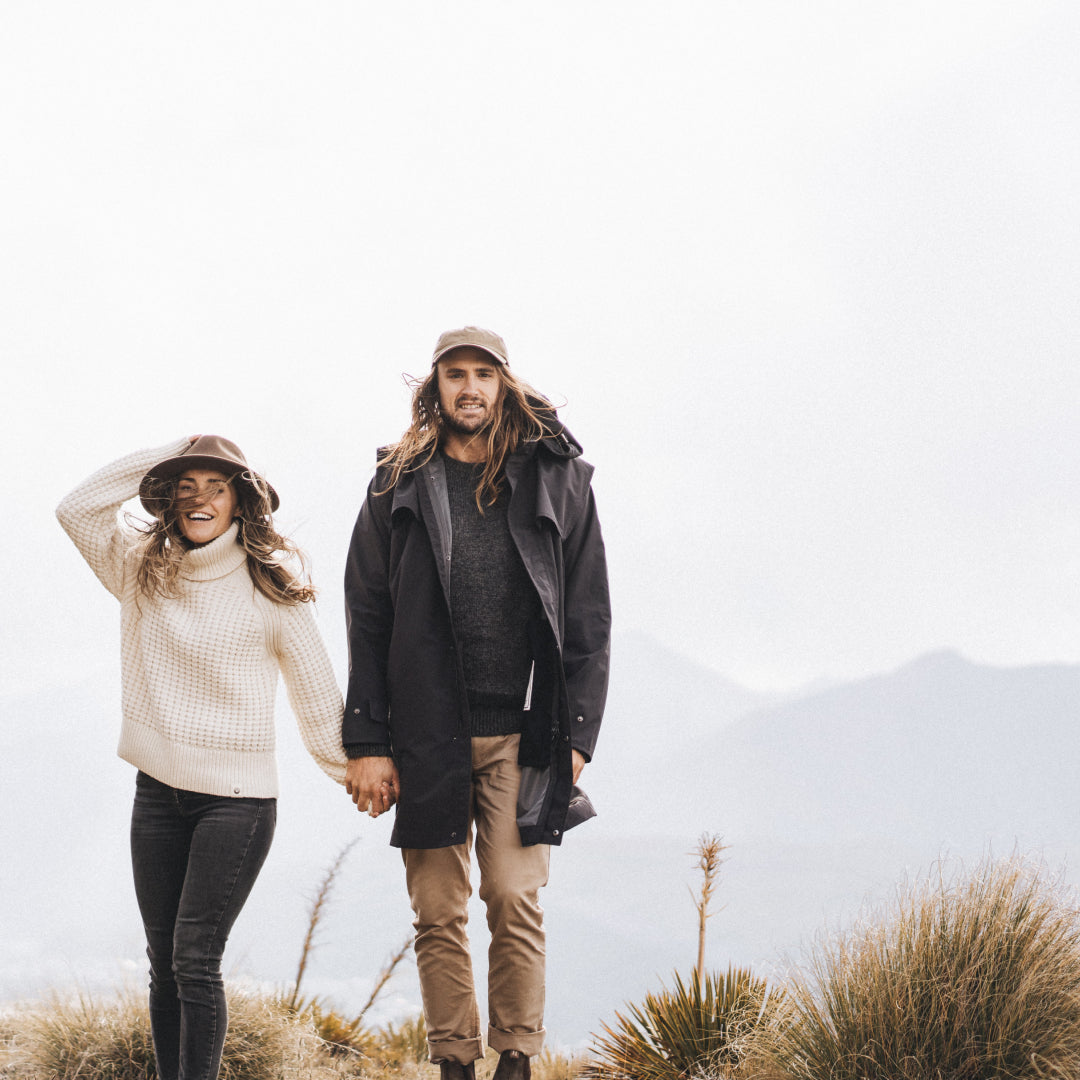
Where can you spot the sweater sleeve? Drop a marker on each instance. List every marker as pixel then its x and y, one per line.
pixel 312 688
pixel 90 514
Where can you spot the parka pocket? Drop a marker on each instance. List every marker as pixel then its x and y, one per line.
pixel 534 797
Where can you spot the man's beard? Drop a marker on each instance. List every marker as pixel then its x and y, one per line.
pixel 450 424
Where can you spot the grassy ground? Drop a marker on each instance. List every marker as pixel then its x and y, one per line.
pixel 965 976
pixel 85 1038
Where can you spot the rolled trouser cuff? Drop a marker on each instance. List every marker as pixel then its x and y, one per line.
pixel 461 1051
pixel 528 1042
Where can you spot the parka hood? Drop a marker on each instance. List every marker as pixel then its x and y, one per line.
pixel 557 439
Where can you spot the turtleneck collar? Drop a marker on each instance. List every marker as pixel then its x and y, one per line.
pixel 216 559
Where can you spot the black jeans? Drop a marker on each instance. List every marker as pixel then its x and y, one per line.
pixel 195 859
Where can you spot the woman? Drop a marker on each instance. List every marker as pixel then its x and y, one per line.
pixel 210 612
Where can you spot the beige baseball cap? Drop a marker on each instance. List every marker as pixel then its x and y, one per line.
pixel 474 337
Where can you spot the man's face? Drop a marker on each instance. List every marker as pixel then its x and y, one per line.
pixel 469 389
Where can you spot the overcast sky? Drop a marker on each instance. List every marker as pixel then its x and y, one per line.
pixel 806 275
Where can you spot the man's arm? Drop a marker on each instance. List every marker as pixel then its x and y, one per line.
pixel 587 630
pixel 371 777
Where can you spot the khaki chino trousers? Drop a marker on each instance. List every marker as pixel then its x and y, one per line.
pixel 511 877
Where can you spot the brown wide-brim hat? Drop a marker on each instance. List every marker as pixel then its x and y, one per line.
pixel 206 452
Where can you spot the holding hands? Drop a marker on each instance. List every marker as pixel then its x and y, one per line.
pixel 373 784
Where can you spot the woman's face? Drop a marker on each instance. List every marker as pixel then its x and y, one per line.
pixel 206 504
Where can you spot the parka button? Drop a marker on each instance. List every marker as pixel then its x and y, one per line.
pixel 554 832
pixel 356 712
pixel 236 791
pixel 581 719
pixel 453 836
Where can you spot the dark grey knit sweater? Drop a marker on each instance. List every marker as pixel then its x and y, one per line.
pixel 492 601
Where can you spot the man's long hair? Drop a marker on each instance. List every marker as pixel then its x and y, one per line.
pixel 269 554
pixel 519 415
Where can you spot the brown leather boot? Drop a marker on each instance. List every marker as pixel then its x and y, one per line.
pixel 513 1065
pixel 453 1070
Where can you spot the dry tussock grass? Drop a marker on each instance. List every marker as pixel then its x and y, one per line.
pixel 966 978
pixel 109 1039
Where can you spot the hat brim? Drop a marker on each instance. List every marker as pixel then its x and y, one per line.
pixel 174 466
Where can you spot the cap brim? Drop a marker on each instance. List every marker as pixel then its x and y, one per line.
pixel 468 345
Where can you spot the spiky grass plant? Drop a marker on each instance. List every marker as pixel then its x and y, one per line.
pixel 967 978
pixel 705 1028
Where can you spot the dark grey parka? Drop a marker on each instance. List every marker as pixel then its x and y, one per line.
pixel 406 685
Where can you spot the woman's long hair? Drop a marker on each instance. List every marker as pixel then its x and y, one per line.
pixel 519 415
pixel 269 554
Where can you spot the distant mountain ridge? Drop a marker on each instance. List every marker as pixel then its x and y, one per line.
pixel 941 750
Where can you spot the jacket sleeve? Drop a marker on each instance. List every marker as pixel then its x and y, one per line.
pixel 587 627
pixel 369 620
pixel 312 688
pixel 90 514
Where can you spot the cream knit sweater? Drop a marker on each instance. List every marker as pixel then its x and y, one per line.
pixel 199 671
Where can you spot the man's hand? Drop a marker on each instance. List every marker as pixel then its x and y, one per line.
pixel 373 784
pixel 578 763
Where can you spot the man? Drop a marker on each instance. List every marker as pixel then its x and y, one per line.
pixel 478 618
